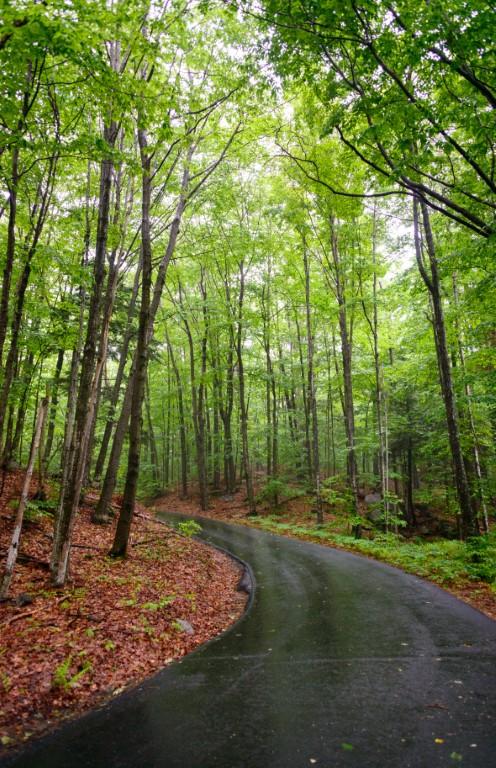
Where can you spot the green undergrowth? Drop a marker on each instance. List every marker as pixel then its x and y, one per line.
pixel 447 562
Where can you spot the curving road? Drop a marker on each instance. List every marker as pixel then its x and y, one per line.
pixel 341 661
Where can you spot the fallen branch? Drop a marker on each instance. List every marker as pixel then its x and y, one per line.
pixel 26 614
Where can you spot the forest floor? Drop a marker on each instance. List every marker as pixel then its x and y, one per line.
pixel 63 651
pixel 451 564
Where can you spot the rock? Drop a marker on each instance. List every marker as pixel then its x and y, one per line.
pixel 374 510
pixel 244 584
pixel 423 530
pixel 185 626
pixel 372 498
pixel 24 599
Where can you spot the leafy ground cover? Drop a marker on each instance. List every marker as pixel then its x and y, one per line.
pixel 63 651
pixel 467 569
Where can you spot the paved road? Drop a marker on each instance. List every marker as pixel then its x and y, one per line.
pixel 340 661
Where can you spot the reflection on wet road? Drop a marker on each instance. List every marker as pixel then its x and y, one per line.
pixel 341 661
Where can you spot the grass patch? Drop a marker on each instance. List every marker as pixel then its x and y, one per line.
pixel 446 562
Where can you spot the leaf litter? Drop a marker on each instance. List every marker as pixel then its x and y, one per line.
pixel 63 651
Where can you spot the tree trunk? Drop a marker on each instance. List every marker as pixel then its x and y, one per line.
pixel 151 437
pixel 38 213
pixel 311 397
pixel 70 494
pixel 197 398
pixel 306 409
pixel 469 526
pixel 53 409
pixel 226 409
pixel 28 370
pixel 121 539
pixel 346 353
pixel 11 247
pixel 114 397
pixel 182 421
pixel 475 440
pixel 252 509
pixel 16 535
pixel 110 480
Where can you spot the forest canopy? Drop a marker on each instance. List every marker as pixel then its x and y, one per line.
pixel 250 244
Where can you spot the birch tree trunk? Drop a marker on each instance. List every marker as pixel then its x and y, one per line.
pixel 16 535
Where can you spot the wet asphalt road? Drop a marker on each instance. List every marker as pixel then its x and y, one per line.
pixel 340 662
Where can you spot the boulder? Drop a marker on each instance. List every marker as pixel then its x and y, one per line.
pixel 185 626
pixel 374 511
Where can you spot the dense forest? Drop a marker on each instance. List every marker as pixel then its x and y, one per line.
pixel 249 245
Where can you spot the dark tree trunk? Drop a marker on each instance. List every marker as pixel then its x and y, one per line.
pixel 119 377
pixel 226 409
pixel 11 247
pixel 53 409
pixel 247 471
pixel 346 353
pixel 27 375
pixel 197 397
pixel 469 525
pixel 38 214
pixel 471 420
pixel 408 491
pixel 306 409
pixel 151 437
pixel 182 422
pixel 88 382
pixel 311 397
pixel 121 539
pixel 216 452
pixel 110 480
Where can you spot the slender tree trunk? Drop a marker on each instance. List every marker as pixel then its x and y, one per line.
pixel 270 472
pixel 32 73
pixel 306 409
pixel 311 398
pixel 475 439
pixel 182 422
pixel 469 526
pixel 90 373
pixel 290 410
pixel 346 353
pixel 53 409
pixel 29 368
pixel 247 471
pixel 110 479
pixel 121 539
pixel 197 399
pixel 408 491
pixel 16 535
pixel 330 411
pixel 96 406
pixel 216 453
pixel 226 410
pixel 11 248
pixel 377 365
pixel 38 213
pixel 151 436
pixel 202 466
pixel 119 377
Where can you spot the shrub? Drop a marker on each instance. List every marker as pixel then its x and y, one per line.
pixel 189 528
pixel 275 491
pixel 62 677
